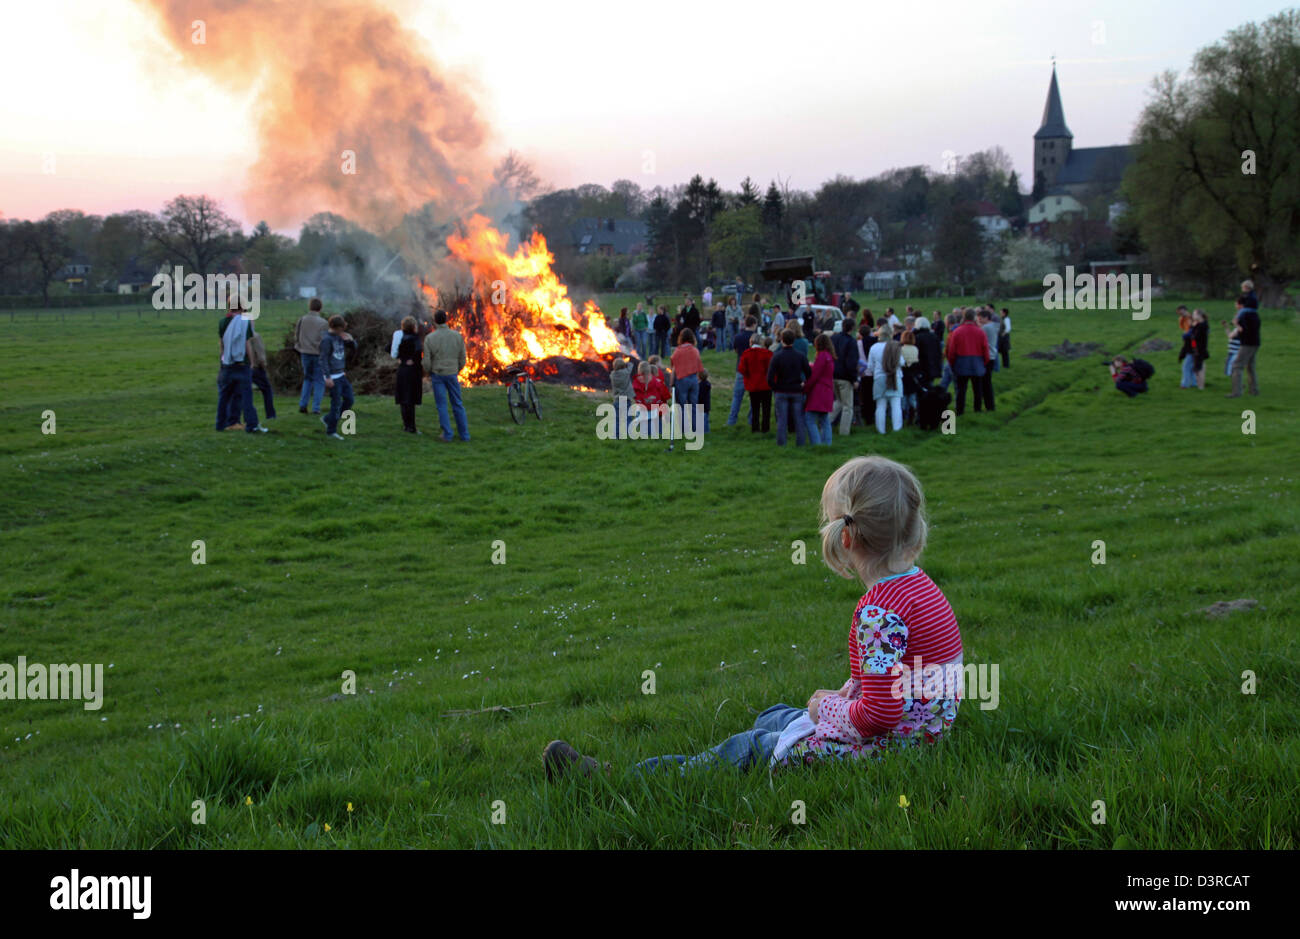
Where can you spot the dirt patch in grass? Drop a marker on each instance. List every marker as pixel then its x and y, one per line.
pixel 1066 350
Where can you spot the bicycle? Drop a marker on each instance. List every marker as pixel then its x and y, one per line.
pixel 521 394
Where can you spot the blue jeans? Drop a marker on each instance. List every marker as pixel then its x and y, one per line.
pixel 737 395
pixel 744 750
pixel 235 394
pixel 640 338
pixel 341 398
pixel 787 404
pixel 686 390
pixel 1189 372
pixel 444 387
pixel 263 383
pixel 659 345
pixel 313 383
pixel 947 378
pixel 819 427
pixel 1132 389
pixel 1227 363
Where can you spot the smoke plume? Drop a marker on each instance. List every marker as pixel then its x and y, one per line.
pixel 332 77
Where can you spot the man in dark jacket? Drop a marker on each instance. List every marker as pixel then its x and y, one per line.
pixel 1247 333
pixel 691 316
pixel 662 325
pixel 740 344
pixel 931 352
pixel 846 376
pixel 785 376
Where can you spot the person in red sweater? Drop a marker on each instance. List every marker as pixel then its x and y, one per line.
pixel 819 393
pixel 686 376
pixel 648 389
pixel 968 354
pixel 651 394
pixel 873 530
pixel 753 371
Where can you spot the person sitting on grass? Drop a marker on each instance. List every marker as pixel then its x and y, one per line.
pixel 873 529
pixel 1127 378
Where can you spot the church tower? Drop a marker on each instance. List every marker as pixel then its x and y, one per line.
pixel 1053 140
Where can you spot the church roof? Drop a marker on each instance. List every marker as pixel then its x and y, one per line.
pixel 1053 114
pixel 1094 165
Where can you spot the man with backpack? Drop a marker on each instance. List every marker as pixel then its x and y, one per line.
pixel 1130 378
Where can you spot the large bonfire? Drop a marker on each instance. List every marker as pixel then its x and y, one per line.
pixel 519 313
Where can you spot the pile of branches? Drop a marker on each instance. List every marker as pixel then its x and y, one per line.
pixel 370 370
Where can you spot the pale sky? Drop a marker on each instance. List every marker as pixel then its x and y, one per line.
pixel 596 91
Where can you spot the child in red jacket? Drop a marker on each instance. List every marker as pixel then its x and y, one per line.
pixel 753 371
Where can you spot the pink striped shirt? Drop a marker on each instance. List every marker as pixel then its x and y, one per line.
pixel 902 620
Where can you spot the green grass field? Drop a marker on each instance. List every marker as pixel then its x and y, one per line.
pixel 374 555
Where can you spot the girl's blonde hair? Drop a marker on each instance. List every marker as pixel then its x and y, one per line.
pixel 882 505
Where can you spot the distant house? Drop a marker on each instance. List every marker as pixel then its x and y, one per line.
pixel 870 235
pixel 75 273
pixel 1055 206
pixel 880 281
pixel 135 277
pixel 609 237
pixel 991 222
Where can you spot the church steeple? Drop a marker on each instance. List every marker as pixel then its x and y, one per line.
pixel 1052 142
pixel 1053 114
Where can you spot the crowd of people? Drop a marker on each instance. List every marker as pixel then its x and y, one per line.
pixel 816 376
pixel 1241 332
pixel 431 360
pixel 881 370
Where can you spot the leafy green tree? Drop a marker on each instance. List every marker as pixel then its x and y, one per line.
pixel 1216 163
pixel 959 245
pixel 736 241
pixel 46 248
pixel 662 247
pixel 274 258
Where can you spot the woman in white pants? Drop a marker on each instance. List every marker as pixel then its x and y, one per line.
pixel 885 362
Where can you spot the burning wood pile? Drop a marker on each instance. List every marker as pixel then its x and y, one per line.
pixel 515 313
pixel 518 312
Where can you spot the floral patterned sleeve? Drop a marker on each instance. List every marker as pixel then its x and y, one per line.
pixel 882 643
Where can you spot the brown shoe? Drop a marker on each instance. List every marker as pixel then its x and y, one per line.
pixel 233 427
pixel 559 758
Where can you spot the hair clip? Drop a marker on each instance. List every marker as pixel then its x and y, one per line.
pixel 848 519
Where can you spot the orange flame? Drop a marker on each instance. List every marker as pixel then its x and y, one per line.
pixel 526 310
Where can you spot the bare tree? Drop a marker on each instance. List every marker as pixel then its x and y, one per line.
pixel 194 231
pixel 516 176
